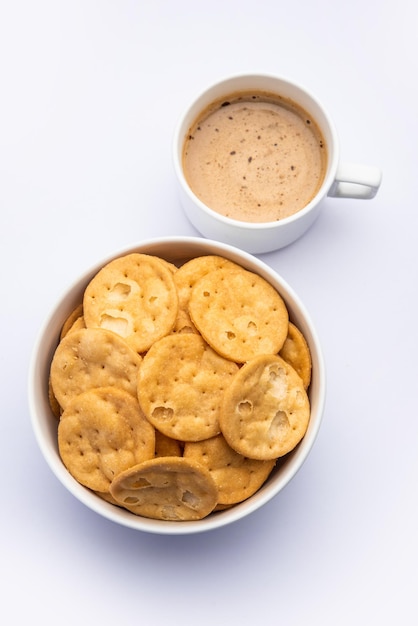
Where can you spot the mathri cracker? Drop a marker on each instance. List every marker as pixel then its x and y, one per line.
pixel 265 411
pixel 239 314
pixel 135 297
pixel 185 278
pixel 236 476
pixel 180 385
pixel 295 351
pixel 101 433
pixel 170 488
pixel 89 358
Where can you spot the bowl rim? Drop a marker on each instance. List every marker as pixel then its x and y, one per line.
pixel 44 425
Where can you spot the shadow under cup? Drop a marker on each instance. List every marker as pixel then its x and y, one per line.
pixel 258 237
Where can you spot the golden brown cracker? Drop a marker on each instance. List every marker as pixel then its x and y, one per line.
pixel 72 317
pixel 135 297
pixel 265 411
pixel 106 495
pixel 185 279
pixel 171 489
pixel 92 357
pixel 295 351
pixel 167 446
pixel 184 324
pixel 53 402
pixel 239 314
pixel 78 323
pixel 237 477
pixel 101 433
pixel 180 384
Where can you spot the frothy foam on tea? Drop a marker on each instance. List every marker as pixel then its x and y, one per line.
pixel 255 158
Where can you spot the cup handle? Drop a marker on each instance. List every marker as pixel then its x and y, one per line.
pixel 356 181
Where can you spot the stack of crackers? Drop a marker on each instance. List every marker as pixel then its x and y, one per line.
pixel 178 388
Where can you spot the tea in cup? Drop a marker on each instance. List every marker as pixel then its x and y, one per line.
pixel 254 156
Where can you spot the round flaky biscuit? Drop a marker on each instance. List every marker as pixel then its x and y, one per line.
pixel 135 297
pixel 169 265
pixel 166 446
pixel 101 433
pixel 295 351
pixel 79 323
pixel 239 314
pixel 180 384
pixel 265 411
pixel 92 357
pixel 237 477
pixel 105 495
pixel 185 279
pixel 53 402
pixel 184 324
pixel 170 488
pixel 74 316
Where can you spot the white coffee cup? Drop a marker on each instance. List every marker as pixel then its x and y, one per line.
pixel 341 180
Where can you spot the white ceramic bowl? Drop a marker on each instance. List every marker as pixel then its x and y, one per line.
pixel 175 249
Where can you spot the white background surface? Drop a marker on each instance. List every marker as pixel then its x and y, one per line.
pixel 90 94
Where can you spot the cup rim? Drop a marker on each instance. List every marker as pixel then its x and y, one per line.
pixel 179 137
